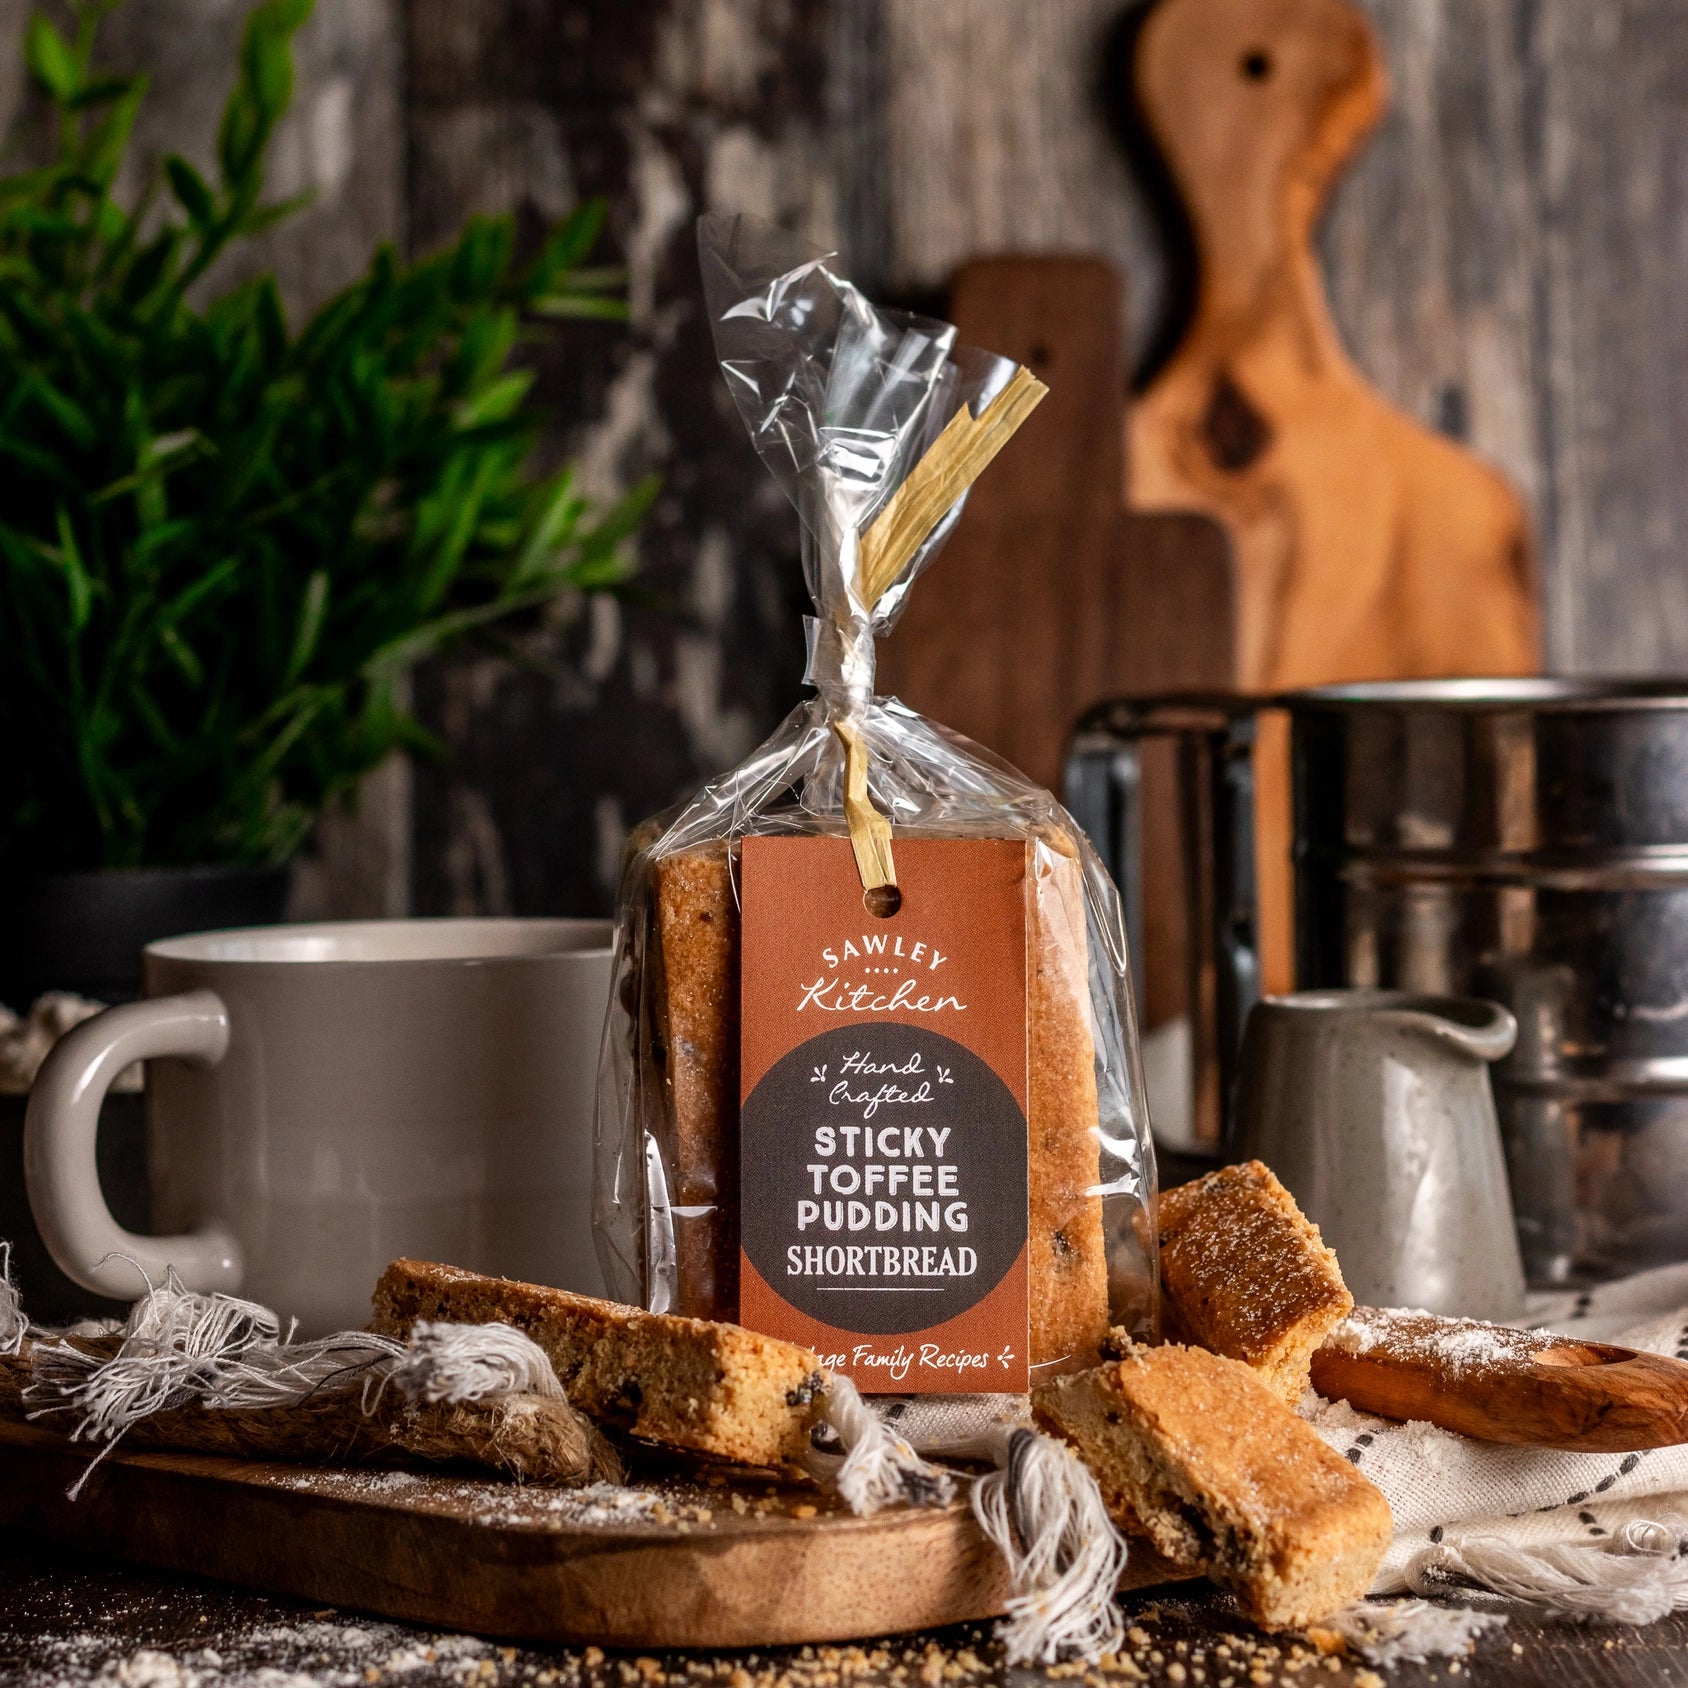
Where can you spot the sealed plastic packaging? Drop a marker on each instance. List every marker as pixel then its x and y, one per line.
pixel 876 1185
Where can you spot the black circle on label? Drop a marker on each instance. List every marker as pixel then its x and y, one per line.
pixel 934 1169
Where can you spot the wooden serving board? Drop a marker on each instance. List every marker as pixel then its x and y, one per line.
pixel 682 1568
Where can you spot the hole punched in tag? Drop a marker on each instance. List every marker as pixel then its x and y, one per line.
pixel 882 901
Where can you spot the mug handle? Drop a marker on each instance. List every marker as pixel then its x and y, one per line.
pixel 59 1131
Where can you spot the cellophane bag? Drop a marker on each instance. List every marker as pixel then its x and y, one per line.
pixel 870 1078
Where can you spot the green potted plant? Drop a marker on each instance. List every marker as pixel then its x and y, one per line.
pixel 223 542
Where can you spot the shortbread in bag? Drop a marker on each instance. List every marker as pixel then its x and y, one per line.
pixel 869 1079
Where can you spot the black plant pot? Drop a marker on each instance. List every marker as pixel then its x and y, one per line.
pixel 84 932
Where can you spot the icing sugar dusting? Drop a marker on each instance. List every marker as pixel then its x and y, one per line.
pixel 1451 1345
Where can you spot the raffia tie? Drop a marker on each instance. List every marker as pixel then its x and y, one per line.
pixel 954 460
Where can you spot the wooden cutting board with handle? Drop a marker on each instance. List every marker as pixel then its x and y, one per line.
pixel 1530 1388
pixel 737 1563
pixel 1367 545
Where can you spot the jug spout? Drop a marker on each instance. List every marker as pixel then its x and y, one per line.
pixel 1483 1030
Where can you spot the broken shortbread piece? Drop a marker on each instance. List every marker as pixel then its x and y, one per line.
pixel 686 1383
pixel 1197 1453
pixel 1244 1274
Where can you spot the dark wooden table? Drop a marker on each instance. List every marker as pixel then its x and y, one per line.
pixel 70 1621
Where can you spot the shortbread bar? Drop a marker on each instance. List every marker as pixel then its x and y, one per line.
pixel 1195 1452
pixel 685 1383
pixel 1244 1273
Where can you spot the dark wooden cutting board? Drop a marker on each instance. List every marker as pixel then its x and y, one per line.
pixel 471 1553
pixel 1051 596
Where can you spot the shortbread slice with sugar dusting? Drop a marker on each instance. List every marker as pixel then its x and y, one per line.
pixel 694 1384
pixel 1195 1452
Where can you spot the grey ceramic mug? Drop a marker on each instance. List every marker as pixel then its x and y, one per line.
pixel 1374 1109
pixel 324 1098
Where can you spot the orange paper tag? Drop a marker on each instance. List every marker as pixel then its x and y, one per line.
pixel 883 1147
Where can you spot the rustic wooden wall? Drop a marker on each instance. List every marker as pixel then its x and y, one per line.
pixel 1507 261
pixel 616 710
pixel 1510 260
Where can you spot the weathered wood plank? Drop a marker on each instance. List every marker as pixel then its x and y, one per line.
pixel 998 141
pixel 1507 260
pixel 668 110
pixel 1611 176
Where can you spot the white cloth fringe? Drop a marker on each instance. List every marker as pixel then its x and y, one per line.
pixel 1636 1578
pixel 1043 1510
pixel 1396 1632
pixel 472 1363
pixel 14 1327
pixel 1039 1505
pixel 878 1468
pixel 181 1348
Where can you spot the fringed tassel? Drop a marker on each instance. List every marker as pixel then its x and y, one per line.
pixel 1039 1506
pixel 14 1327
pixel 1042 1508
pixel 179 1348
pixel 878 1468
pixel 1635 1579
pixel 471 1363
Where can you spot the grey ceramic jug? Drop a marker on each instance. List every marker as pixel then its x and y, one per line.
pixel 1374 1109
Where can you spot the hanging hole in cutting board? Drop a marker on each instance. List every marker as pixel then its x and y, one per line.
pixel 1255 64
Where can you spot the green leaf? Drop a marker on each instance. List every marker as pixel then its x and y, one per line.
pixel 313 609
pixel 580 305
pixel 558 515
pixel 72 419
pixel 239 140
pixel 77 582
pixel 193 595
pixel 266 56
pixel 496 401
pixel 262 217
pixel 180 653
pixel 51 59
pixel 573 238
pixel 482 256
pixel 101 89
pixel 103 149
pixel 192 192
pixel 162 446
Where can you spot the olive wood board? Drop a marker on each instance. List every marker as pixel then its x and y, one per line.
pixel 479 1554
pixel 1497 1384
